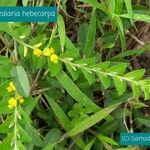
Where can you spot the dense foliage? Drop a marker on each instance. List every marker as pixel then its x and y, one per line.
pixel 75 84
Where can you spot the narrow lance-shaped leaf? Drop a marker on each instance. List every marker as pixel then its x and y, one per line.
pixel 138 17
pixel 90 40
pixel 129 9
pixel 121 32
pixel 63 119
pixel 61 30
pixel 75 92
pixel 106 139
pixel 92 120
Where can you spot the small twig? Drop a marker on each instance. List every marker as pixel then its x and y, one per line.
pixel 131 122
pixel 44 102
pixel 124 115
pixel 36 79
pixel 39 91
pixel 135 38
pixel 84 5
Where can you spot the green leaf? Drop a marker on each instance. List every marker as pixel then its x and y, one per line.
pixel 30 104
pixel 144 121
pixel 4 127
pixel 3 107
pixel 21 80
pixel 21 146
pixel 92 120
pixel 5 70
pixel 118 69
pixel 61 31
pixel 8 3
pixel 105 80
pixel 70 54
pixel 25 138
pixel 120 85
pixel 90 39
pixel 51 138
pixel 75 92
pixel 135 75
pixel 89 76
pixel 146 93
pixel 4 59
pixel 133 52
pixel 98 5
pixel 136 90
pixel 82 34
pixel 68 44
pixel 5 144
pixel 31 131
pixel 121 32
pixel 129 9
pixel 54 68
pixel 106 139
pixel 112 5
pixel 63 119
pixel 89 145
pixel 138 17
pixel 25 117
pixel 72 71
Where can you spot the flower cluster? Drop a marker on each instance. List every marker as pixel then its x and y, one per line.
pixel 13 101
pixel 48 52
pixel 11 87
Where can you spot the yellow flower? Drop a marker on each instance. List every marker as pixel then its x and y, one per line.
pixel 12 102
pixel 11 87
pixel 37 52
pixel 20 98
pixel 54 58
pixel 48 51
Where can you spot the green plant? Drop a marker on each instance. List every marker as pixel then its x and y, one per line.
pixel 62 94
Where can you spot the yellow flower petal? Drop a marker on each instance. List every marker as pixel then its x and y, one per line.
pixel 12 102
pixel 20 98
pixel 9 89
pixel 48 51
pixel 37 52
pixel 51 50
pixel 11 84
pixel 54 58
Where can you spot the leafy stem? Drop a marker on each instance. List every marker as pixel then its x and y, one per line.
pixel 99 70
pixel 15 129
pixel 133 77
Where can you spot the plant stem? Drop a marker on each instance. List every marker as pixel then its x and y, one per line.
pixel 98 70
pixel 15 129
